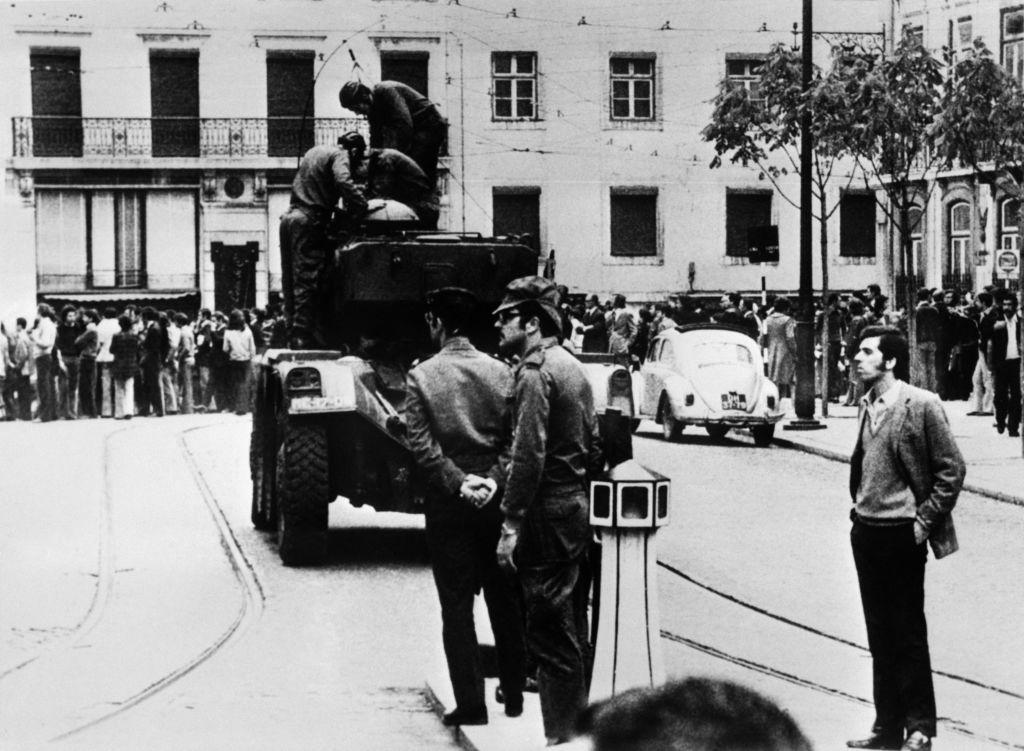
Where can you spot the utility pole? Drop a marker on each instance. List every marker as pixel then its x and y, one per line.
pixel 804 398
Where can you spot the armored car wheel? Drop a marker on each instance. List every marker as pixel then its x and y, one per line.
pixel 671 429
pixel 763 434
pixel 262 463
pixel 717 431
pixel 303 495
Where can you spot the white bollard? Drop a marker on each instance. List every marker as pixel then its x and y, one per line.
pixel 628 504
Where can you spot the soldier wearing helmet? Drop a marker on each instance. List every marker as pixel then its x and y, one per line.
pixel 545 533
pixel 400 118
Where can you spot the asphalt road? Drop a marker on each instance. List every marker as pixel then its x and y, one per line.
pixel 141 610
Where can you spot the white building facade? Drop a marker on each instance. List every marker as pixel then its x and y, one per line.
pixel 150 147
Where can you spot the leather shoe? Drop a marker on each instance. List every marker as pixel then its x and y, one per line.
pixel 1013 433
pixel 460 716
pixel 917 741
pixel 877 741
pixel 513 705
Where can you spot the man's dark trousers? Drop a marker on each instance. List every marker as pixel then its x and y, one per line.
pixel 890 570
pixel 555 581
pixel 462 541
pixel 304 253
pixel 45 388
pixel 1006 400
pixel 152 400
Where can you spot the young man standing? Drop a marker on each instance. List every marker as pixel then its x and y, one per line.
pixel 104 360
pixel 555 446
pixel 459 426
pixel 905 475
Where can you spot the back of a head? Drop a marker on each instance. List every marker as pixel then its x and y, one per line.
pixel 125 322
pixel 620 301
pixel 454 306
pixel 735 298
pixel 924 295
pixel 695 714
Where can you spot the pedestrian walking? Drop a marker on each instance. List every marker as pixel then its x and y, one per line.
pixel 105 331
pixel 124 348
pixel 459 428
pixel 186 356
pixel 928 327
pixel 546 530
pixel 240 349
pixel 984 314
pixel 44 335
pixel 905 475
pixel 1004 359
pixel 780 343
pixel 622 328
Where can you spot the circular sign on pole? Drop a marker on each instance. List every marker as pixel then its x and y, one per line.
pixel 1008 264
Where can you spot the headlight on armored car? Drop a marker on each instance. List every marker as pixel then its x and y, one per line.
pixel 303 382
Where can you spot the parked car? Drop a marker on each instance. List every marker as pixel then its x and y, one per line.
pixel 710 375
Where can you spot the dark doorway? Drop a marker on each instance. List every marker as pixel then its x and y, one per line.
pixel 56 101
pixel 174 96
pixel 234 275
pixel 516 211
pixel 289 102
pixel 409 68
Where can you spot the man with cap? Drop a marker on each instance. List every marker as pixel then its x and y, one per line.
pixel 400 118
pixel 459 425
pixel 324 177
pixel 390 174
pixel 555 446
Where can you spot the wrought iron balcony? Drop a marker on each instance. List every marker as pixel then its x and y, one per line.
pixel 204 137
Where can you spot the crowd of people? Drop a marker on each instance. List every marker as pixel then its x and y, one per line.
pixel 84 364
pixel 962 345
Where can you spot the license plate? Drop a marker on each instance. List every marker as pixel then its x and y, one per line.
pixel 732 400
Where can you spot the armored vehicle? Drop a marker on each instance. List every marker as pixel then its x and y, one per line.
pixel 329 423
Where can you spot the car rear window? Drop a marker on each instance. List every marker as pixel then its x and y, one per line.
pixel 718 353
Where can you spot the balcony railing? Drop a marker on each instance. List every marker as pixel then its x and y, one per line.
pixel 134 137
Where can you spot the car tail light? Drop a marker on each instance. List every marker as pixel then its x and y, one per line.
pixel 771 402
pixel 689 400
pixel 620 391
pixel 304 382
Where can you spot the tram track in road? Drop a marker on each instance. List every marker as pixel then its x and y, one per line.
pixel 948 724
pixel 249 610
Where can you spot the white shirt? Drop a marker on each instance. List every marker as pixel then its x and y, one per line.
pixel 105 331
pixel 43 336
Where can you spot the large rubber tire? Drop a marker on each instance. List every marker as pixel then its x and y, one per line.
pixel 304 493
pixel 256 473
pixel 763 434
pixel 671 429
pixel 717 431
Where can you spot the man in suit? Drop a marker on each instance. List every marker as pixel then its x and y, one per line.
pixel 594 328
pixel 1004 359
pixel 905 475
pixel 458 419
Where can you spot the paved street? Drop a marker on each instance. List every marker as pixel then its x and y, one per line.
pixel 142 611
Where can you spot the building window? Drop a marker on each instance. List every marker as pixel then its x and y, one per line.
pixel 516 211
pixel 514 85
pixel 290 104
pixel 634 222
pixel 632 88
pixel 56 101
pixel 961 39
pixel 745 72
pixel 1009 224
pixel 174 97
pixel 915 223
pixel 61 248
pixel 744 211
pixel 408 67
pixel 1012 42
pixel 959 238
pixel 857 225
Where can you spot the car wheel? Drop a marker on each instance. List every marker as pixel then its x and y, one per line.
pixel 717 431
pixel 671 429
pixel 763 434
pixel 303 496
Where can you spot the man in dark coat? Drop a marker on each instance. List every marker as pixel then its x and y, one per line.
pixel 905 475
pixel 594 328
pixel 155 346
pixel 323 178
pixel 400 118
pixel 459 426
pixel 929 324
pixel 555 447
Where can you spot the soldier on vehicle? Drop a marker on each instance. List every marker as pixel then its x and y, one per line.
pixel 546 532
pixel 324 176
pixel 459 424
pixel 390 174
pixel 400 118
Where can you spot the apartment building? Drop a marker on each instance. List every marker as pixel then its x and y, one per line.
pixel 966 231
pixel 151 145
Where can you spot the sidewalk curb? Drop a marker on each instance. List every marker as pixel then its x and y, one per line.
pixel 996 495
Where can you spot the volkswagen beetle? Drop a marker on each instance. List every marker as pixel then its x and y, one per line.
pixel 710 375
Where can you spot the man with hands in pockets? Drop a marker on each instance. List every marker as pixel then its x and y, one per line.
pixel 458 420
